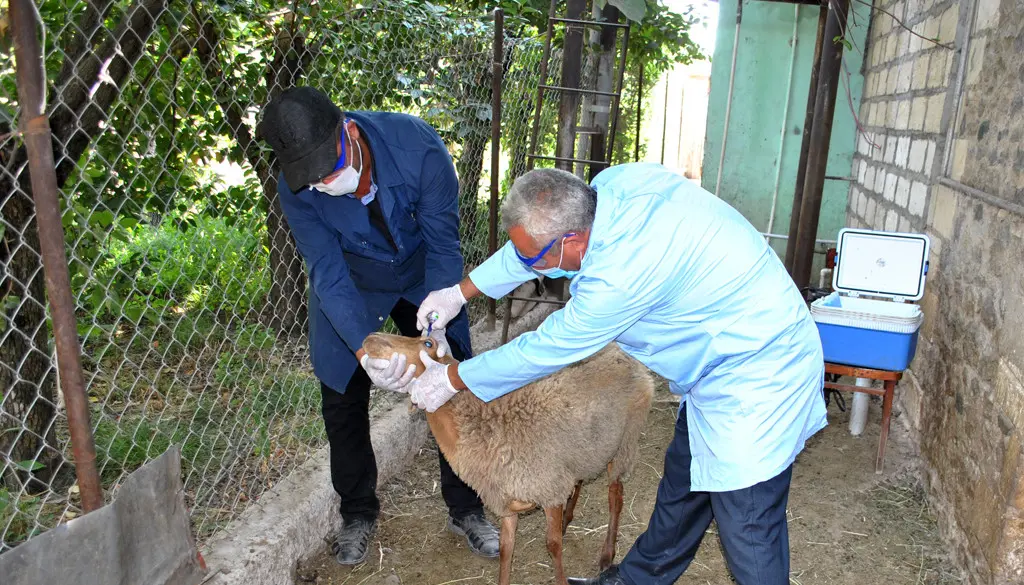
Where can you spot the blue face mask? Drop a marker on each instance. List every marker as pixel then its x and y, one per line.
pixel 557 272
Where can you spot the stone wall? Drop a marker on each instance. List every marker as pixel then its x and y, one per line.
pixel 943 153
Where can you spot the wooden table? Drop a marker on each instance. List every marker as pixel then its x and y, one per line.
pixel 889 380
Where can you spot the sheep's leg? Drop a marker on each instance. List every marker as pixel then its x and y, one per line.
pixel 614 510
pixel 570 505
pixel 554 516
pixel 506 546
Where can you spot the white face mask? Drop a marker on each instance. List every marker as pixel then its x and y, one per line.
pixel 347 180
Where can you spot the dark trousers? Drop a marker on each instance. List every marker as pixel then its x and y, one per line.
pixel 751 524
pixel 353 464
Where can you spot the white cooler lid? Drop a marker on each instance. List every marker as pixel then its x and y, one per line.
pixel 884 264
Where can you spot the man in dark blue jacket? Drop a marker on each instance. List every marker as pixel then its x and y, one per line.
pixel 372 201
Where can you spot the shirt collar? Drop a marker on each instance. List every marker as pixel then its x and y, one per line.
pixel 369 197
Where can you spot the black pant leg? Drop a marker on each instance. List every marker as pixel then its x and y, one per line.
pixel 460 498
pixel 754 530
pixel 678 523
pixel 353 464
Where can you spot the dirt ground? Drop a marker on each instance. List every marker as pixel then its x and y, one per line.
pixel 847 525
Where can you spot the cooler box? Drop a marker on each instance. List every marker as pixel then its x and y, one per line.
pixel 879 333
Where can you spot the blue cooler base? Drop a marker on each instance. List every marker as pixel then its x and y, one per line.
pixel 867 348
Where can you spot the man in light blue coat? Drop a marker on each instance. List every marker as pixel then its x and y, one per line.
pixel 683 283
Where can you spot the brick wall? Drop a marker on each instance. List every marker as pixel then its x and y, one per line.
pixel 943 154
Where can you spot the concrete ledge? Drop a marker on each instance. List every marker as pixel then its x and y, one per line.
pixel 291 520
pixel 262 545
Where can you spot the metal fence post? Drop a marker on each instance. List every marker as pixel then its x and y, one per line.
pixel 497 68
pixel 35 130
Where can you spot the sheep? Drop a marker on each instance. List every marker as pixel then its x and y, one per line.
pixel 536 446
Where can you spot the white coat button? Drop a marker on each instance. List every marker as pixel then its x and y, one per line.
pixel 380 318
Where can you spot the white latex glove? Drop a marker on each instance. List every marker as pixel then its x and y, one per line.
pixel 431 389
pixel 390 374
pixel 446 302
pixel 438 336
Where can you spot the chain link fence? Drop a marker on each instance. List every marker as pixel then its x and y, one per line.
pixel 190 295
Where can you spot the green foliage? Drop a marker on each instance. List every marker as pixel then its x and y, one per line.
pixel 19 514
pixel 151 272
pixel 632 9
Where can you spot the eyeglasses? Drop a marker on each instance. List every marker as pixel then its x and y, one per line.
pixel 529 262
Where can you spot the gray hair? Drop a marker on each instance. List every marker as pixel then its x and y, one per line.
pixel 548 203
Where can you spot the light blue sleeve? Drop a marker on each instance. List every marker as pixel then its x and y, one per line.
pixel 501 273
pixel 596 314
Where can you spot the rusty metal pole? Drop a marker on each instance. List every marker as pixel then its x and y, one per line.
pixel 35 130
pixel 821 135
pixel 497 70
pixel 805 144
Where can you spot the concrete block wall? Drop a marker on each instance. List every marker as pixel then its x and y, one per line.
pixel 943 153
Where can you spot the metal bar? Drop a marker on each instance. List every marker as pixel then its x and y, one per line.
pixel 590 22
pixel 821 135
pixel 679 133
pixel 578 90
pixel 802 2
pixel 728 97
pixel 618 97
pixel 784 237
pixel 35 129
pixel 572 71
pixel 536 300
pixel 639 108
pixel 582 161
pixel 599 147
pixel 664 120
pixel 506 321
pixel 983 196
pixel 497 73
pixel 848 388
pixel 540 90
pixel 805 144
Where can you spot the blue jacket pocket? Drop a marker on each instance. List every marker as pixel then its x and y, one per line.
pixel 396 276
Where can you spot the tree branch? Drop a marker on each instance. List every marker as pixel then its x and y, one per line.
pixel 206 50
pixel 83 37
pixel 900 23
pixel 75 118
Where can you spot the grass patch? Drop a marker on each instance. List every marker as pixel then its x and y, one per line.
pixel 25 516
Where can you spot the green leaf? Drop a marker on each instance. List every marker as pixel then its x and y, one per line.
pixel 134 313
pixel 841 39
pixel 29 465
pixel 104 218
pixel 634 10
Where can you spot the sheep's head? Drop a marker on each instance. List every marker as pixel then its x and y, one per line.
pixel 382 345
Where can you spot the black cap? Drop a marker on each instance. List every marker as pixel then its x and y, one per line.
pixel 303 127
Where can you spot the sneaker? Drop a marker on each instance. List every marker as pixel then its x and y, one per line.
pixel 352 543
pixel 481 535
